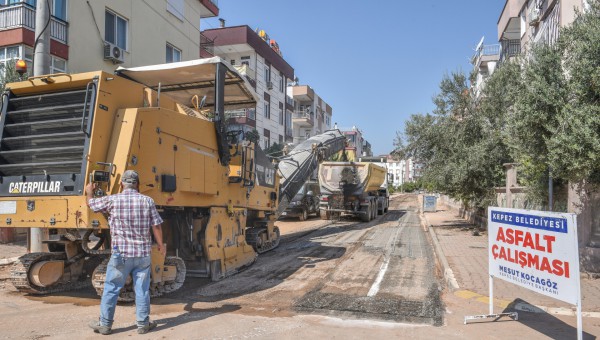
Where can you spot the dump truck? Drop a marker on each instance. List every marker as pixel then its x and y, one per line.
pixel 350 188
pixel 217 192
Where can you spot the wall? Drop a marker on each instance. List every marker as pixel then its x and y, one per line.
pixel 149 30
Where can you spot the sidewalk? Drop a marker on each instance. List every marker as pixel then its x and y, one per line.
pixel 466 256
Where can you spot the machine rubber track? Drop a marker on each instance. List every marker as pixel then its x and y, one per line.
pixel 257 238
pixel 19 275
pixel 127 294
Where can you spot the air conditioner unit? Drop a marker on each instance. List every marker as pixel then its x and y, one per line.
pixel 114 53
pixel 534 16
pixel 270 85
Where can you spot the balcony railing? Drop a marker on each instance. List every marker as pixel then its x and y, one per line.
pixel 23 15
pixel 510 48
pixel 241 113
pixel 207 47
pixel 245 70
pixel 304 117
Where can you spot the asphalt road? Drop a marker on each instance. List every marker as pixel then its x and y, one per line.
pixel 380 271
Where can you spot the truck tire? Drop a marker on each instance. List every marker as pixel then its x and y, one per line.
pixel 303 215
pixel 374 210
pixel 368 216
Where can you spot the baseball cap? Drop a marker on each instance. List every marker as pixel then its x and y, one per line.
pixel 130 176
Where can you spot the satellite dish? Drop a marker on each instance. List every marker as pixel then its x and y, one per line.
pixel 480 44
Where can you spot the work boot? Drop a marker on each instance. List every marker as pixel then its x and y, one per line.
pixel 145 329
pixel 100 328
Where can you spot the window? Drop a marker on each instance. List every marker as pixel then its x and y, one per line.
pixel 267 110
pixel 176 7
pixel 246 60
pixel 280 113
pixel 59 9
pixel 115 28
pixel 58 65
pixel 173 54
pixel 267 143
pixel 14 2
pixel 232 61
pixel 281 79
pixel 267 73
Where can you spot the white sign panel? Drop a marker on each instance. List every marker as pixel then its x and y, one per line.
pixel 8 207
pixel 536 250
pixel 429 203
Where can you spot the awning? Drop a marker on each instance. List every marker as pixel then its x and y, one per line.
pixel 184 80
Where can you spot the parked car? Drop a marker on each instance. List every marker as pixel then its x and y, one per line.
pixel 305 202
pixel 383 201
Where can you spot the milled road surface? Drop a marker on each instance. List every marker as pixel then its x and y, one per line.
pixel 381 270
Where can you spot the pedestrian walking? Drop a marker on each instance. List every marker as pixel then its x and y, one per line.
pixel 131 217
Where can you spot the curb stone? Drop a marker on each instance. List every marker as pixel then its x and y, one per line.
pixel 448 273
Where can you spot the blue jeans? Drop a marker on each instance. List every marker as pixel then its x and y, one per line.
pixel 117 271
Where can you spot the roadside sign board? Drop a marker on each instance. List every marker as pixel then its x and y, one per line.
pixel 536 250
pixel 429 203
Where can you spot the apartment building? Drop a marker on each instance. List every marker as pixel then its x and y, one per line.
pixel 484 61
pixel 257 56
pixel 355 143
pixel 523 22
pixel 311 114
pixel 105 34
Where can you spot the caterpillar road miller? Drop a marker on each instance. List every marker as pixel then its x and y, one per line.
pixel 218 193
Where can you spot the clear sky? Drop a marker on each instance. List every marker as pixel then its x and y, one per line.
pixel 375 62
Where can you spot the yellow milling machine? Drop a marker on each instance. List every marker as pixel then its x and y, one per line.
pixel 218 193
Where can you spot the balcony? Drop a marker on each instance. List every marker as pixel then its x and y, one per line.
pixel 23 16
pixel 303 119
pixel 485 54
pixel 509 23
pixel 211 8
pixel 207 46
pixel 303 93
pixel 241 117
pixel 510 48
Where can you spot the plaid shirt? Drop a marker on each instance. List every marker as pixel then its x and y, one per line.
pixel 131 215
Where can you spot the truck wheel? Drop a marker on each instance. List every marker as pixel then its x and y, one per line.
pixel 374 210
pixel 303 215
pixel 325 215
pixel 368 216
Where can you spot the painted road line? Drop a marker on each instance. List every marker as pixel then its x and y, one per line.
pixel 375 287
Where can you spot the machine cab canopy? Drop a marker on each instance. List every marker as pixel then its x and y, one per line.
pixel 185 80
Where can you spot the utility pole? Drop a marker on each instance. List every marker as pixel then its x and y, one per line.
pixel 41 66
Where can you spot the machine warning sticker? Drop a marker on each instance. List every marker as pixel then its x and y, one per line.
pixel 8 207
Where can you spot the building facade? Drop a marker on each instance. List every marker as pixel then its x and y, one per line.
pixel 523 22
pixel 257 57
pixel 105 34
pixel 311 115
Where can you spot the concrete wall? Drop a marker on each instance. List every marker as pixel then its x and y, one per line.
pixel 150 28
pixel 585 202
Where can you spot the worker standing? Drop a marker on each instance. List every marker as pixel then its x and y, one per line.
pixel 131 216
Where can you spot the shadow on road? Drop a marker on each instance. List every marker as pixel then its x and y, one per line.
pixel 545 323
pixel 192 314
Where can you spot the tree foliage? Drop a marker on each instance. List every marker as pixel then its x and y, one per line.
pixel 542 112
pixel 8 74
